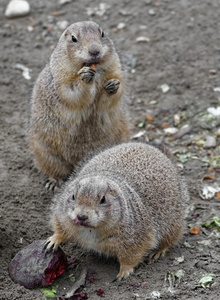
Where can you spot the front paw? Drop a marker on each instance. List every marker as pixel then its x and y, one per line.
pixel 87 74
pixel 52 243
pixel 112 86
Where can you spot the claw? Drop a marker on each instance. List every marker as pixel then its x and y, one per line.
pixel 46 244
pixel 112 86
pixel 157 254
pixel 53 184
pixel 46 248
pixel 125 271
pixel 50 245
pixel 53 243
pixel 87 74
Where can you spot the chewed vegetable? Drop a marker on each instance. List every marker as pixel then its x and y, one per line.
pixel 33 267
pixel 93 67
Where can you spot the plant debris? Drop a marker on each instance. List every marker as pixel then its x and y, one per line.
pixel 50 292
pixel 195 230
pixel 26 71
pixel 100 292
pixel 207 279
pixel 215 221
pixel 174 278
pixel 77 284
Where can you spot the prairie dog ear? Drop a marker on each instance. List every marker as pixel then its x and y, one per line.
pixel 111 191
pixel 67 33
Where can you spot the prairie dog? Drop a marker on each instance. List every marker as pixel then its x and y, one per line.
pixel 76 104
pixel 126 201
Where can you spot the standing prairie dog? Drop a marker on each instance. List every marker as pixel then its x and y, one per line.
pixel 76 104
pixel 126 202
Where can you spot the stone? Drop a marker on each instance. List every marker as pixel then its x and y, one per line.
pixel 210 142
pixel 17 8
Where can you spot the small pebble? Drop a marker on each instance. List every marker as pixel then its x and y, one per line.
pixel 62 25
pixel 165 88
pixel 212 72
pixel 121 25
pixel 217 133
pixel 214 111
pixel 210 142
pixel 151 12
pixel 155 295
pixel 139 134
pixel 179 259
pixel 216 89
pixel 170 130
pixel 62 2
pixel 98 11
pixel 142 27
pixel 152 102
pixel 124 12
pixel 187 245
pixel 17 8
pixel 142 39
pixel 205 242
pixel 30 28
pixel 176 119
pixel 183 130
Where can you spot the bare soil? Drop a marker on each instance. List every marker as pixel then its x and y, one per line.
pixel 182 50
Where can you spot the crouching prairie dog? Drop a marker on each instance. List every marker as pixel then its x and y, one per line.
pixel 76 105
pixel 126 201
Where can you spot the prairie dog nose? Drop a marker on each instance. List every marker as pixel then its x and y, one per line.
pixel 94 51
pixel 82 217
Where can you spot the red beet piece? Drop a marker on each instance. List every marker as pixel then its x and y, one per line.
pixel 32 267
pixel 100 292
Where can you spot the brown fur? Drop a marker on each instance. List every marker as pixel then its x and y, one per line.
pixel 72 113
pixel 142 212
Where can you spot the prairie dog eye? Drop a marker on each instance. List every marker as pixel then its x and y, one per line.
pixel 74 39
pixel 103 200
pixel 71 199
pixel 102 34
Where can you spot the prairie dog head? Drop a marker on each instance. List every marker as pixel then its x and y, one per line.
pixel 93 202
pixel 86 44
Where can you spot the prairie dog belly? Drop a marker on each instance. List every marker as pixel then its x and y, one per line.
pixel 87 237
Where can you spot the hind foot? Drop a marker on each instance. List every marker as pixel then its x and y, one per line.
pixel 125 271
pixel 155 255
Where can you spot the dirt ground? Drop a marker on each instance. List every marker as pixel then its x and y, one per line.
pixel 180 48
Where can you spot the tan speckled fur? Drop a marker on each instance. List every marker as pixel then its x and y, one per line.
pixel 71 117
pixel 142 210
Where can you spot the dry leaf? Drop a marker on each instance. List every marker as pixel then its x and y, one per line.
pixel 149 118
pixel 165 125
pixel 55 13
pixel 195 230
pixel 217 195
pixel 209 177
